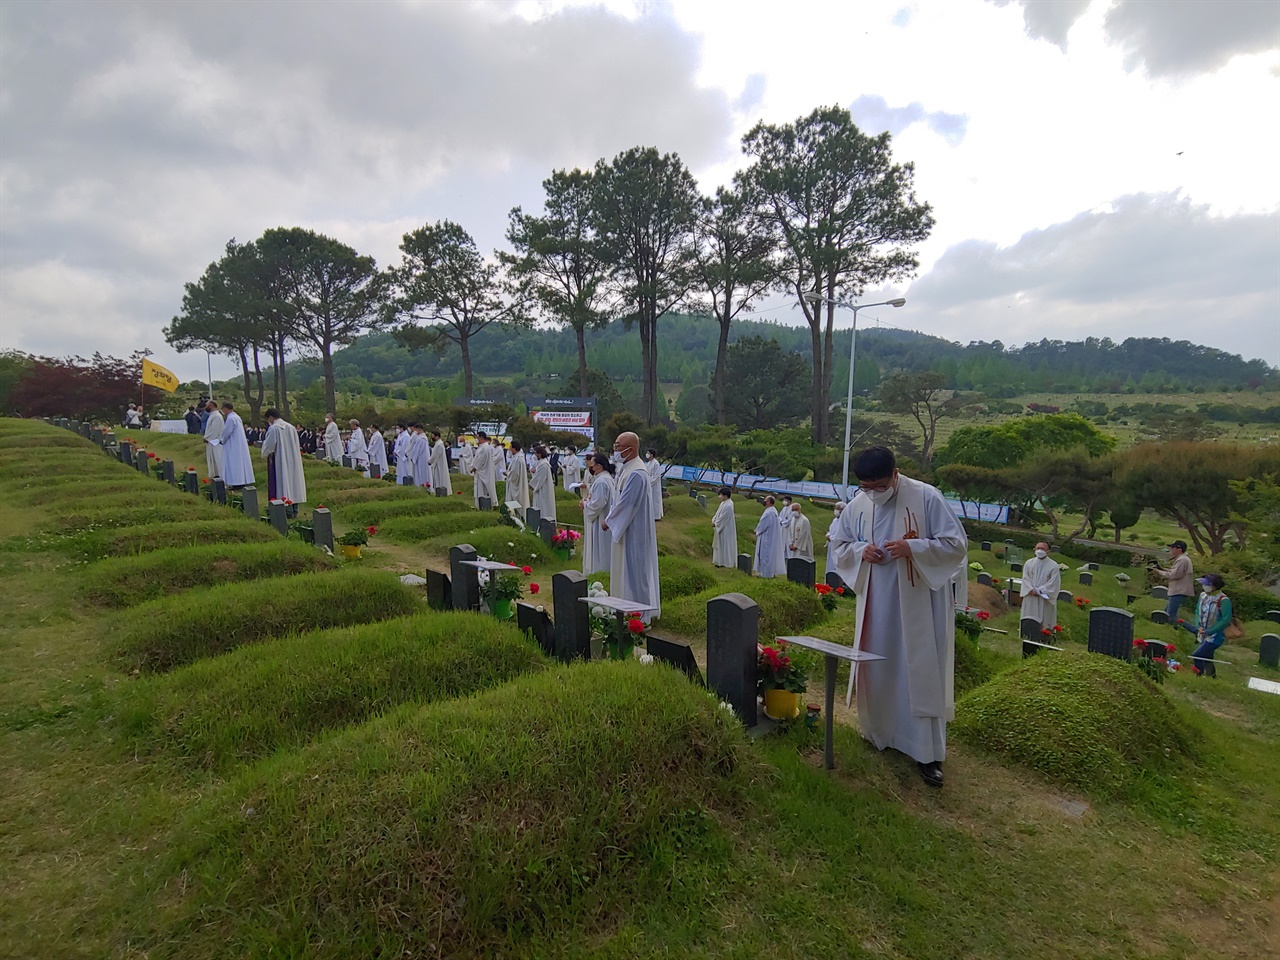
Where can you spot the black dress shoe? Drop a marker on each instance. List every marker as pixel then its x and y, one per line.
pixel 931 773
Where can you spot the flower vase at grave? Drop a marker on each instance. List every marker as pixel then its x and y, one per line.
pixel 501 609
pixel 351 550
pixel 781 704
pixel 561 552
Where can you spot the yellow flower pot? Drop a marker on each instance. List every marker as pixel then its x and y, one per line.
pixel 351 550
pixel 781 704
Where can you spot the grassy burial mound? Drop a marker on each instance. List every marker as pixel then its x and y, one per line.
pixel 503 544
pixel 1082 720
pixel 785 607
pixel 282 693
pixel 128 541
pixel 126 581
pixel 377 512
pixel 163 634
pixel 450 524
pixel 469 828
pixel 347 492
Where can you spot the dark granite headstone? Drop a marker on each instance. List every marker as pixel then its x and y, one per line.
pixel 322 524
pixel 536 624
pixel 485 504
pixel 1269 650
pixel 1086 579
pixel 801 571
pixel 1160 593
pixel 1008 543
pixel 167 471
pixel 702 501
pixel 1015 568
pixel 745 563
pixel 1066 596
pixel 140 461
pixel 126 453
pixel 60 422
pixel 1156 648
pixel 347 461
pixel 573 617
pixel 219 491
pixel 675 652
pixel 984 578
pixel 733 633
pixel 1160 616
pixel 85 430
pixel 532 520
pixel 834 580
pixel 985 545
pixel 547 530
pixel 441 492
pixel 191 482
pixel 375 471
pixel 439 593
pixel 109 438
pixel 1111 632
pixel 277 514
pixel 404 479
pixel 1273 616
pixel 465 580
pixel 1094 567
pixel 73 426
pixel 1030 629
pixel 252 510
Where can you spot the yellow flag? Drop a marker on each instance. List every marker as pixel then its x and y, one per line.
pixel 158 376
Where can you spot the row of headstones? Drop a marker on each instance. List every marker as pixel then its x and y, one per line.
pixel 733 629
pixel 1086 576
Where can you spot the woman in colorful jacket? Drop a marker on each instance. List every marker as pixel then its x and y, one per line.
pixel 1213 616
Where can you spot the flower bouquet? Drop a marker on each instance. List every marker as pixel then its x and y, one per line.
pixel 501 590
pixel 826 596
pixel 563 540
pixel 618 634
pixel 780 680
pixel 969 622
pixel 353 540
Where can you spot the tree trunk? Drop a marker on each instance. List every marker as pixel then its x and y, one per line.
pixel 815 393
pixel 828 369
pixel 284 382
pixel 464 345
pixel 244 368
pixel 722 355
pixel 583 383
pixel 255 404
pixel 330 396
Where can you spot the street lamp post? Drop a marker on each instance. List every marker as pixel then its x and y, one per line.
pixel 853 341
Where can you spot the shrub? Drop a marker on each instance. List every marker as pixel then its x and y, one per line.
pixel 256 700
pixel 163 634
pixel 483 824
pixel 1082 720
pixel 125 581
pixel 785 608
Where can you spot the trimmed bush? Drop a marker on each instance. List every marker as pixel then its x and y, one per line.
pixel 167 633
pixel 1080 719
pixel 256 700
pixel 377 512
pixel 484 824
pixel 785 607
pixel 125 581
pixel 181 533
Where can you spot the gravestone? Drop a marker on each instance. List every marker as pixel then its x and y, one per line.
pixel 573 617
pixel 1008 543
pixel 986 545
pixel 733 633
pixel 532 520
pixel 125 453
pixel 219 491
pixel 692 492
pixel 60 422
pixel 536 624
pixel 801 571
pixel 1086 579
pixel 1015 568
pixel 249 504
pixel 702 501
pixel 322 524
pixel 1156 648
pixel 140 459
pixel 375 471
pixel 744 563
pixel 441 492
pixel 74 426
pixel 485 504
pixel 191 482
pixel 277 515
pixel 439 593
pixel 404 479
pixel 167 471
pixel 464 580
pixel 1030 629
pixel 1160 593
pixel 1094 567
pixel 984 578
pixel 1160 616
pixel 1269 650
pixel 834 580
pixel 547 530
pixel 86 429
pixel 675 652
pixel 109 438
pixel 1273 616
pixel 1111 632
pixel 347 461
pixel 1066 596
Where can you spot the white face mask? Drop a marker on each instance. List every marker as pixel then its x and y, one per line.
pixel 880 497
pixel 1042 554
pixel 1206 588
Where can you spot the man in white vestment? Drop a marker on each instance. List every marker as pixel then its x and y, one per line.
pixel 655 482
pixel 357 448
pixel 571 467
pixel 900 547
pixel 400 450
pixel 438 463
pixel 1041 581
pixel 518 477
pixel 237 468
pixel 378 451
pixel 724 542
pixel 466 457
pixel 839 508
pixel 419 456
pixel 633 566
pixel 784 521
pixel 332 439
pixel 771 551
pixel 212 432
pixel 542 485
pixel 283 452
pixel 482 468
pixel 597 545
pixel 801 535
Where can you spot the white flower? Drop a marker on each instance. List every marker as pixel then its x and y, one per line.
pixel 725 705
pixel 1063 567
pixel 540 608
pixel 510 543
pixel 533 556
pixel 1122 577
pixel 598 612
pixel 646 658
pixel 597 585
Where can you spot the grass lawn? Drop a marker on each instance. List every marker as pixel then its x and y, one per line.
pixel 335 790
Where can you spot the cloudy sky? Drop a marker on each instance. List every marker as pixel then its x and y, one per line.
pixel 1096 167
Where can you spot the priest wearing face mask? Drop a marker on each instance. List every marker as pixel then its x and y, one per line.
pixel 1041 581
pixel 900 547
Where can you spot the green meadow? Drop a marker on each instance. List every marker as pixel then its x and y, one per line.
pixel 217 742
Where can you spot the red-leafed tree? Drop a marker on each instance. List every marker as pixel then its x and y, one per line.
pixel 99 388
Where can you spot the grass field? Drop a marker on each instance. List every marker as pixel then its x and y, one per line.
pixel 307 782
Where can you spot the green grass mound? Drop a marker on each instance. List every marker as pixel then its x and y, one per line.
pixel 506 545
pixel 1082 720
pixel 416 529
pixel 376 512
pixel 59 439
pixel 167 633
pixel 126 581
pixel 468 828
pixel 256 700
pixel 51 466
pixel 130 541
pixel 681 577
pixel 168 510
pixel 975 665
pixel 342 495
pixel 785 607
pixel 75 489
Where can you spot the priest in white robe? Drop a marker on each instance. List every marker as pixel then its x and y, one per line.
pixel 439 464
pixel 724 542
pixel 482 468
pixel 655 482
pixel 518 477
pixel 377 451
pixel 1041 581
pixel 237 468
pixel 771 551
pixel 835 520
pixel 784 521
pixel 213 432
pixel 419 457
pixel 901 548
pixel 358 448
pixel 542 485
pixel 571 467
pixel 332 439
pixel 466 457
pixel 633 565
pixel 800 532
pixel 597 545
pixel 283 452
pixel 399 450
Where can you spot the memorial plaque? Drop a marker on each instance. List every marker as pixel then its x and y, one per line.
pixel 1066 596
pixel 276 515
pixel 834 580
pixel 985 545
pixel 744 563
pixel 733 633
pixel 404 479
pixel 801 571
pixel 465 580
pixel 249 504
pixel 1160 616
pixel 322 524
pixel 1086 579
pixel 1273 616
pixel 485 504
pixel 1030 629
pixel 547 530
pixel 1160 593
pixel 439 592
pixel 572 616
pixel 219 491
pixel 1111 632
pixel 375 471
pixel 347 461
pixel 532 520
pixel 1269 650
pixel 167 471
pixel 536 624
pixel 675 652
pixel 984 578
pixel 191 482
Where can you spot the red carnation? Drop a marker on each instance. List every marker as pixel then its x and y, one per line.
pixel 840 591
pixel 534 588
pixel 371 530
pixel 205 480
pixel 1170 648
pixel 526 570
pixel 635 626
pixel 1140 642
pixel 1057 628
pixel 982 615
pixel 1046 633
pixel 320 507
